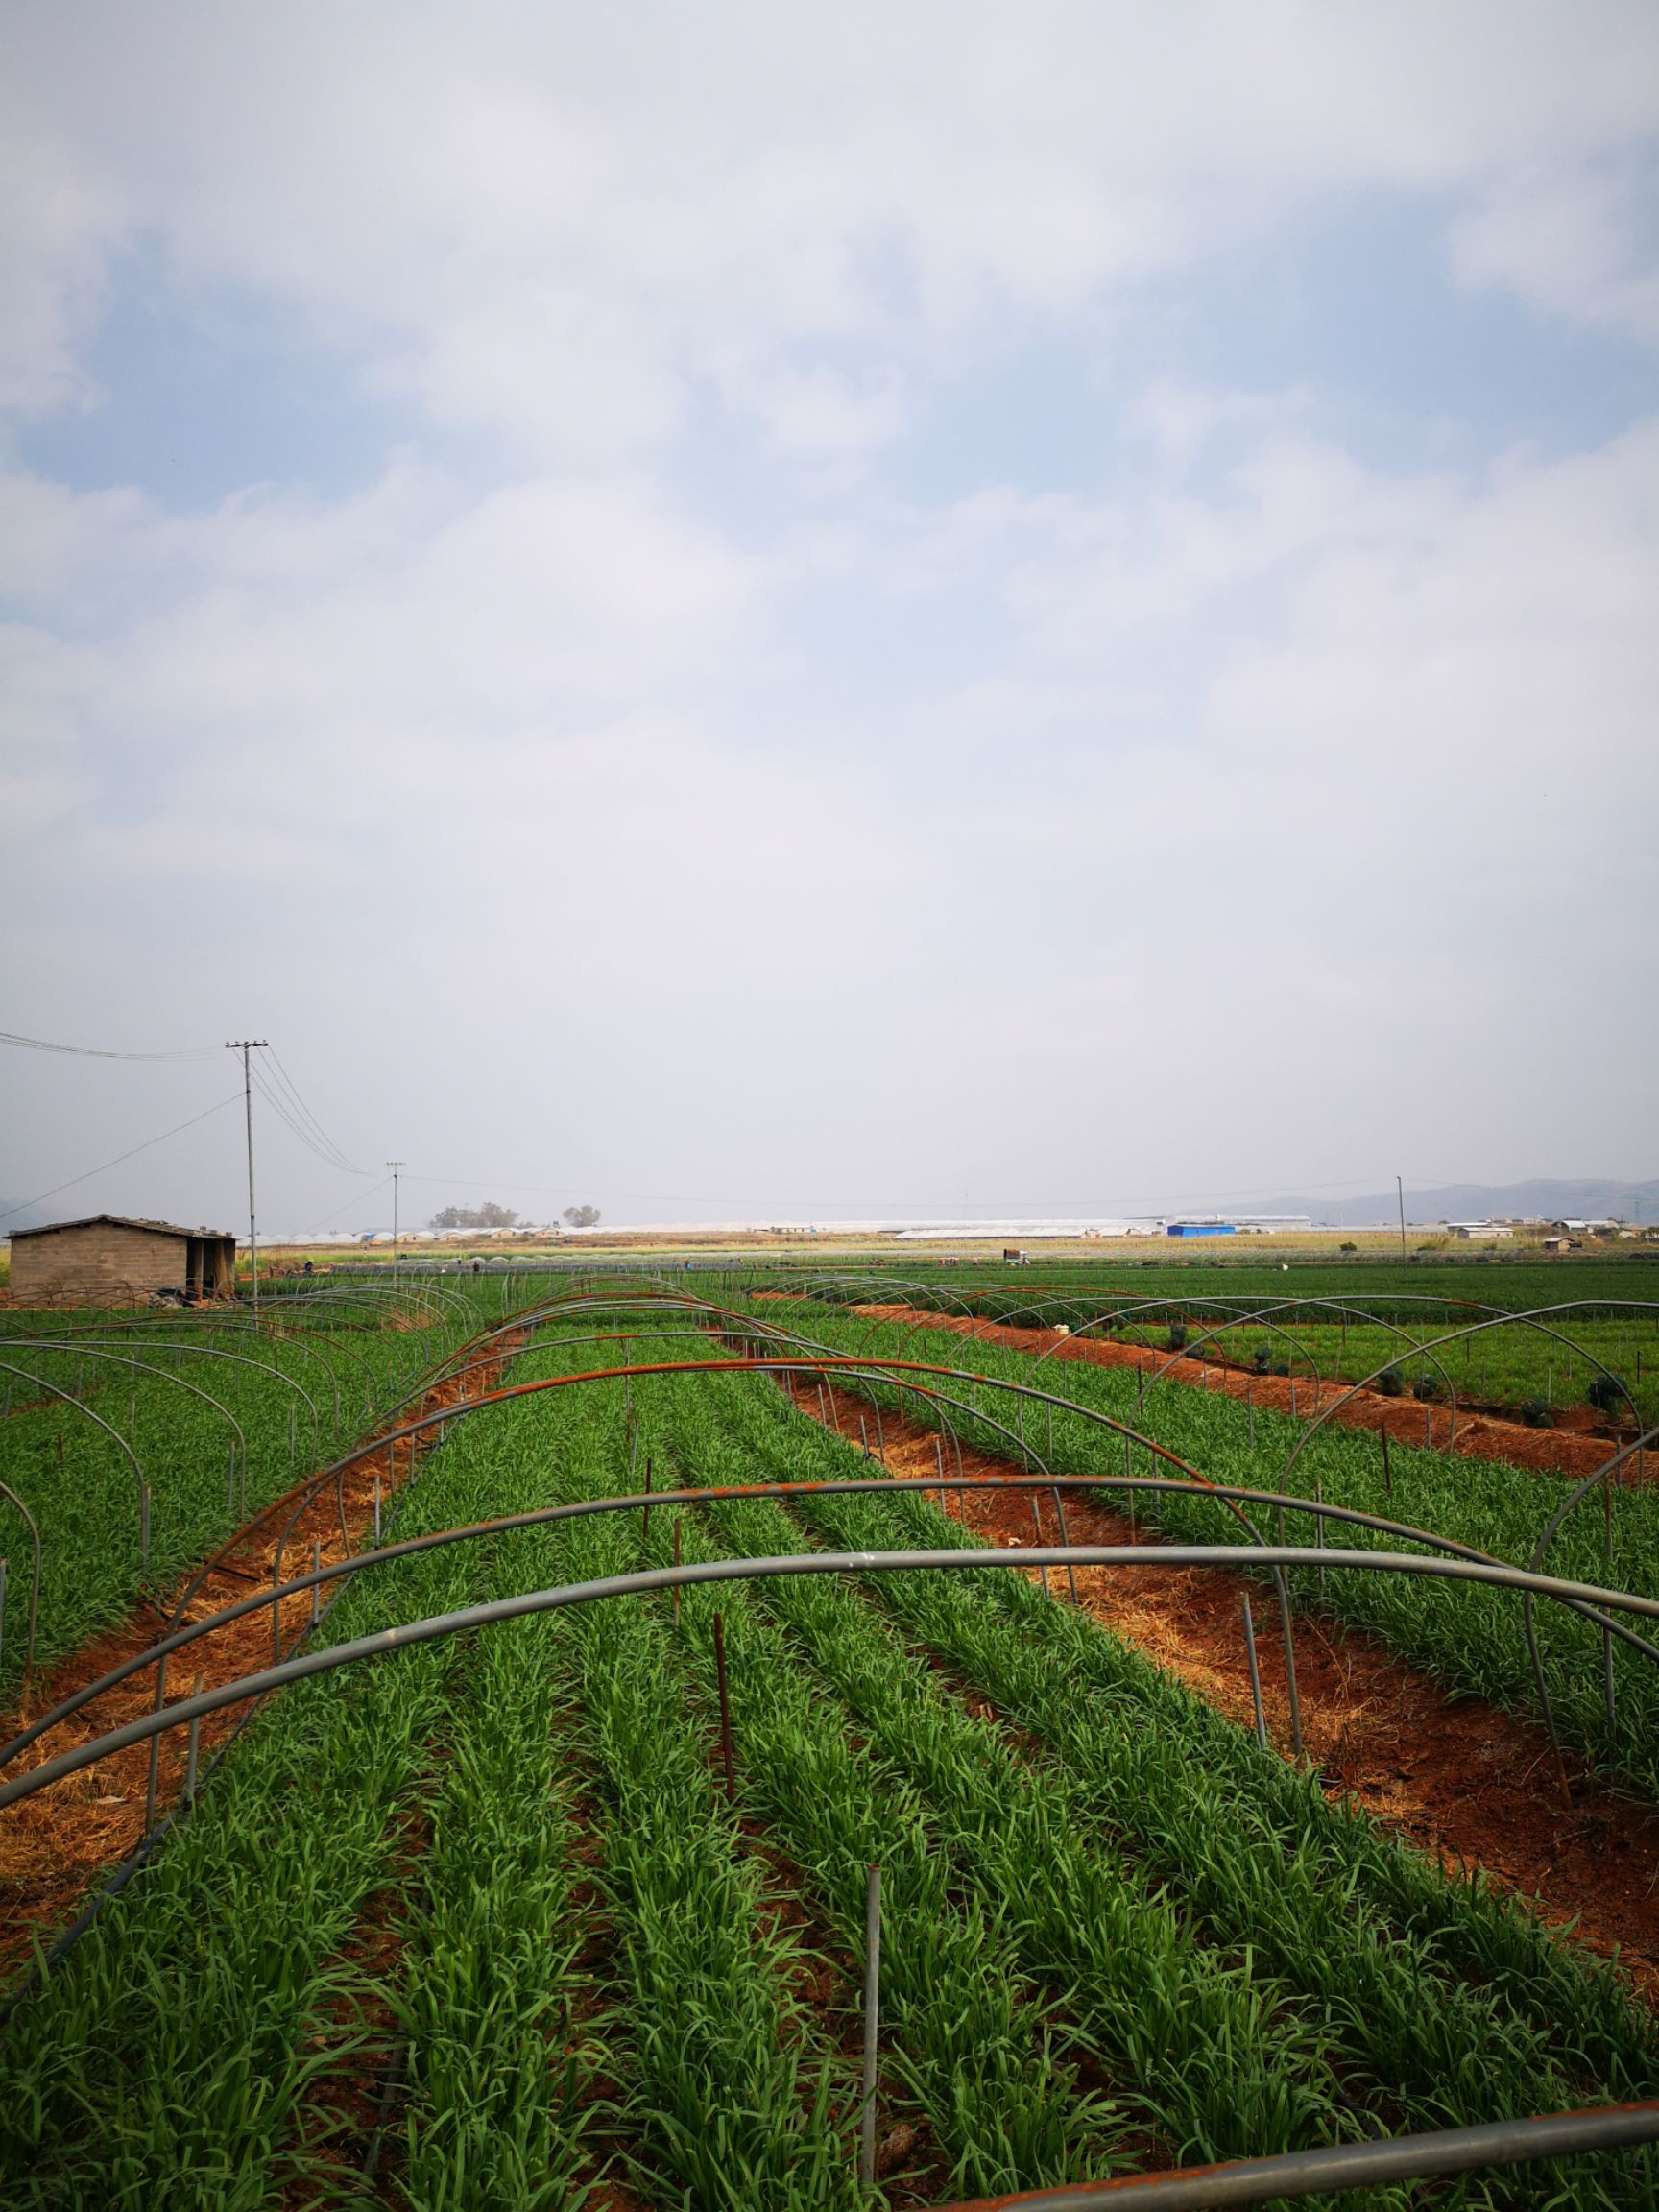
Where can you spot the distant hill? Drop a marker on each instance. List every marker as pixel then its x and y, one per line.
pixel 1586 1197
pixel 25 1217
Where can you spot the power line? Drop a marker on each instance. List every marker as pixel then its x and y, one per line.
pixel 326 1150
pixel 291 1089
pixel 120 1156
pixel 357 1198
pixel 97 1053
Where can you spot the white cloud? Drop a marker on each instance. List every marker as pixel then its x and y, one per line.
pixel 1582 242
pixel 555 222
pixel 698 797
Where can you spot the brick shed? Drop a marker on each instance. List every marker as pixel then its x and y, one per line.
pixel 110 1259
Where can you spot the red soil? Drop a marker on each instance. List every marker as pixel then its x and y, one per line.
pixel 1472 1784
pixel 1477 1436
pixel 54 1843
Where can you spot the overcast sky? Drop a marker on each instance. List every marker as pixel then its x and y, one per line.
pixel 754 611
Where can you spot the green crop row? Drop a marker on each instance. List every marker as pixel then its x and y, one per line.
pixel 174 2057
pixel 1541 1369
pixel 1114 1931
pixel 1471 1638
pixel 288 1401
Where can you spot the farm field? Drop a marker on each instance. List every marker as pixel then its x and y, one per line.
pixel 138 1442
pixel 1598 1323
pixel 1471 1640
pixel 571 1906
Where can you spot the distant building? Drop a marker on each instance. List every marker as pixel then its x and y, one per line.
pixel 1483 1228
pixel 1199 1229
pixel 114 1260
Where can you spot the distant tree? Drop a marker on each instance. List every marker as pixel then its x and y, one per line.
pixel 582 1217
pixel 489 1215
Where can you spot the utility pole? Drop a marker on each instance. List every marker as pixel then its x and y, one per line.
pixel 1400 1193
pixel 395 1165
pixel 245 1046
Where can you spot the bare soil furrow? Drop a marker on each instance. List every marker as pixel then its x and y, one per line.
pixel 1465 1781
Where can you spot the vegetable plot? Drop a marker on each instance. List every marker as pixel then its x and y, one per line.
pixel 488 1923
pixel 1471 1639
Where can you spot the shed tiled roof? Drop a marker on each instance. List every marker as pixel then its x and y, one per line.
pixel 120 1221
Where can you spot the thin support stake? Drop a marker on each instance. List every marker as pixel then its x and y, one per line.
pixel 676 1562
pixel 193 1748
pixel 872 2026
pixel 155 1745
pixel 1282 1583
pixel 1608 1698
pixel 1319 1528
pixel 1037 1528
pixel 646 1517
pixel 1255 1670
pixel 1607 1691
pixel 376 1509
pixel 315 1587
pixel 1065 1538
pixel 1387 1472
pixel 725 1708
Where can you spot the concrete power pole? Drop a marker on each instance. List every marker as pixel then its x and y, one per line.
pixel 245 1046
pixel 395 1165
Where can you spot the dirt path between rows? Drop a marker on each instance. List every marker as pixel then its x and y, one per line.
pixel 1475 1435
pixel 1465 1781
pixel 54 1844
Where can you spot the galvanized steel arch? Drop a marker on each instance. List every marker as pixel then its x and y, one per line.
pixel 650 1580
pixel 177 1636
